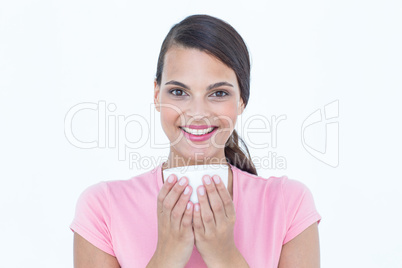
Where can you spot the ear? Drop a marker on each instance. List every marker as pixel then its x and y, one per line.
pixel 240 107
pixel 156 96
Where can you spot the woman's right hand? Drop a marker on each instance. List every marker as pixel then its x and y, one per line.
pixel 175 232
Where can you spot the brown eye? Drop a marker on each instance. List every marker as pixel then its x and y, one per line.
pixel 176 90
pixel 220 95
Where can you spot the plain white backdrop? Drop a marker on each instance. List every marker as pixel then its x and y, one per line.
pixel 346 55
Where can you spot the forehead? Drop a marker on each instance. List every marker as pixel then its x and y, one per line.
pixel 194 64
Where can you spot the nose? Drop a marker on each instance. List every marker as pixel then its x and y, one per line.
pixel 198 108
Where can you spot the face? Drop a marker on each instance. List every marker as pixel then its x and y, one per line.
pixel 197 90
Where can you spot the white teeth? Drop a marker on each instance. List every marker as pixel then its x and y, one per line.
pixel 198 131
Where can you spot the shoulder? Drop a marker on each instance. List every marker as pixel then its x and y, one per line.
pixel 295 192
pixel 293 188
pixel 102 194
pixel 104 188
pixel 92 202
pixel 143 182
pixel 284 184
pixel 259 189
pixel 272 183
pixel 92 220
pixel 115 193
pixel 291 199
pixel 300 210
pixel 245 177
pixel 96 191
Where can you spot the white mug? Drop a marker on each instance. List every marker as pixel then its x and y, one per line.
pixel 195 173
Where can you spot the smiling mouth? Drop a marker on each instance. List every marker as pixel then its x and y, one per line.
pixel 198 132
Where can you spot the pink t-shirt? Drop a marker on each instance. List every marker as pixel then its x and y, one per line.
pixel 119 217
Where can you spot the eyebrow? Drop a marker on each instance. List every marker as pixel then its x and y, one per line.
pixel 224 83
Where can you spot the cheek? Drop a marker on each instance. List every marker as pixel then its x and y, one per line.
pixel 227 115
pixel 168 113
pixel 170 118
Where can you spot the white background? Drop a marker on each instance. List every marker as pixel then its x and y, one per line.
pixel 305 55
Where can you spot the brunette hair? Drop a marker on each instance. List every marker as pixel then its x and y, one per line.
pixel 219 39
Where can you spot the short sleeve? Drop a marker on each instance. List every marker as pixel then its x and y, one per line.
pixel 92 217
pixel 299 208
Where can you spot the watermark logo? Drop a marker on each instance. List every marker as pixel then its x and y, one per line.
pixel 330 154
pixel 258 132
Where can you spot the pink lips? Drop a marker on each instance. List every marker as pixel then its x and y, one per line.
pixel 199 137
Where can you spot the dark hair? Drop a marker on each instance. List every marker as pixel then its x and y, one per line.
pixel 219 39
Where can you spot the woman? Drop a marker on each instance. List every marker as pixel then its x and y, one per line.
pixel 202 81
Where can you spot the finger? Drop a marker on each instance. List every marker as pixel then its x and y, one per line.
pixel 197 221
pixel 225 197
pixel 186 222
pixel 207 215
pixel 215 200
pixel 166 187
pixel 169 200
pixel 180 195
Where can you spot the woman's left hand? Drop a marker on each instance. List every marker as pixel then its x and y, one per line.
pixel 213 228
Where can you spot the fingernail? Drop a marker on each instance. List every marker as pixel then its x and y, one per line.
pixel 207 180
pixel 201 190
pixel 216 179
pixel 170 179
pixel 197 207
pixel 182 181
pixel 188 205
pixel 186 190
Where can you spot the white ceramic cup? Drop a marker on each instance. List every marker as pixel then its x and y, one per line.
pixel 195 173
